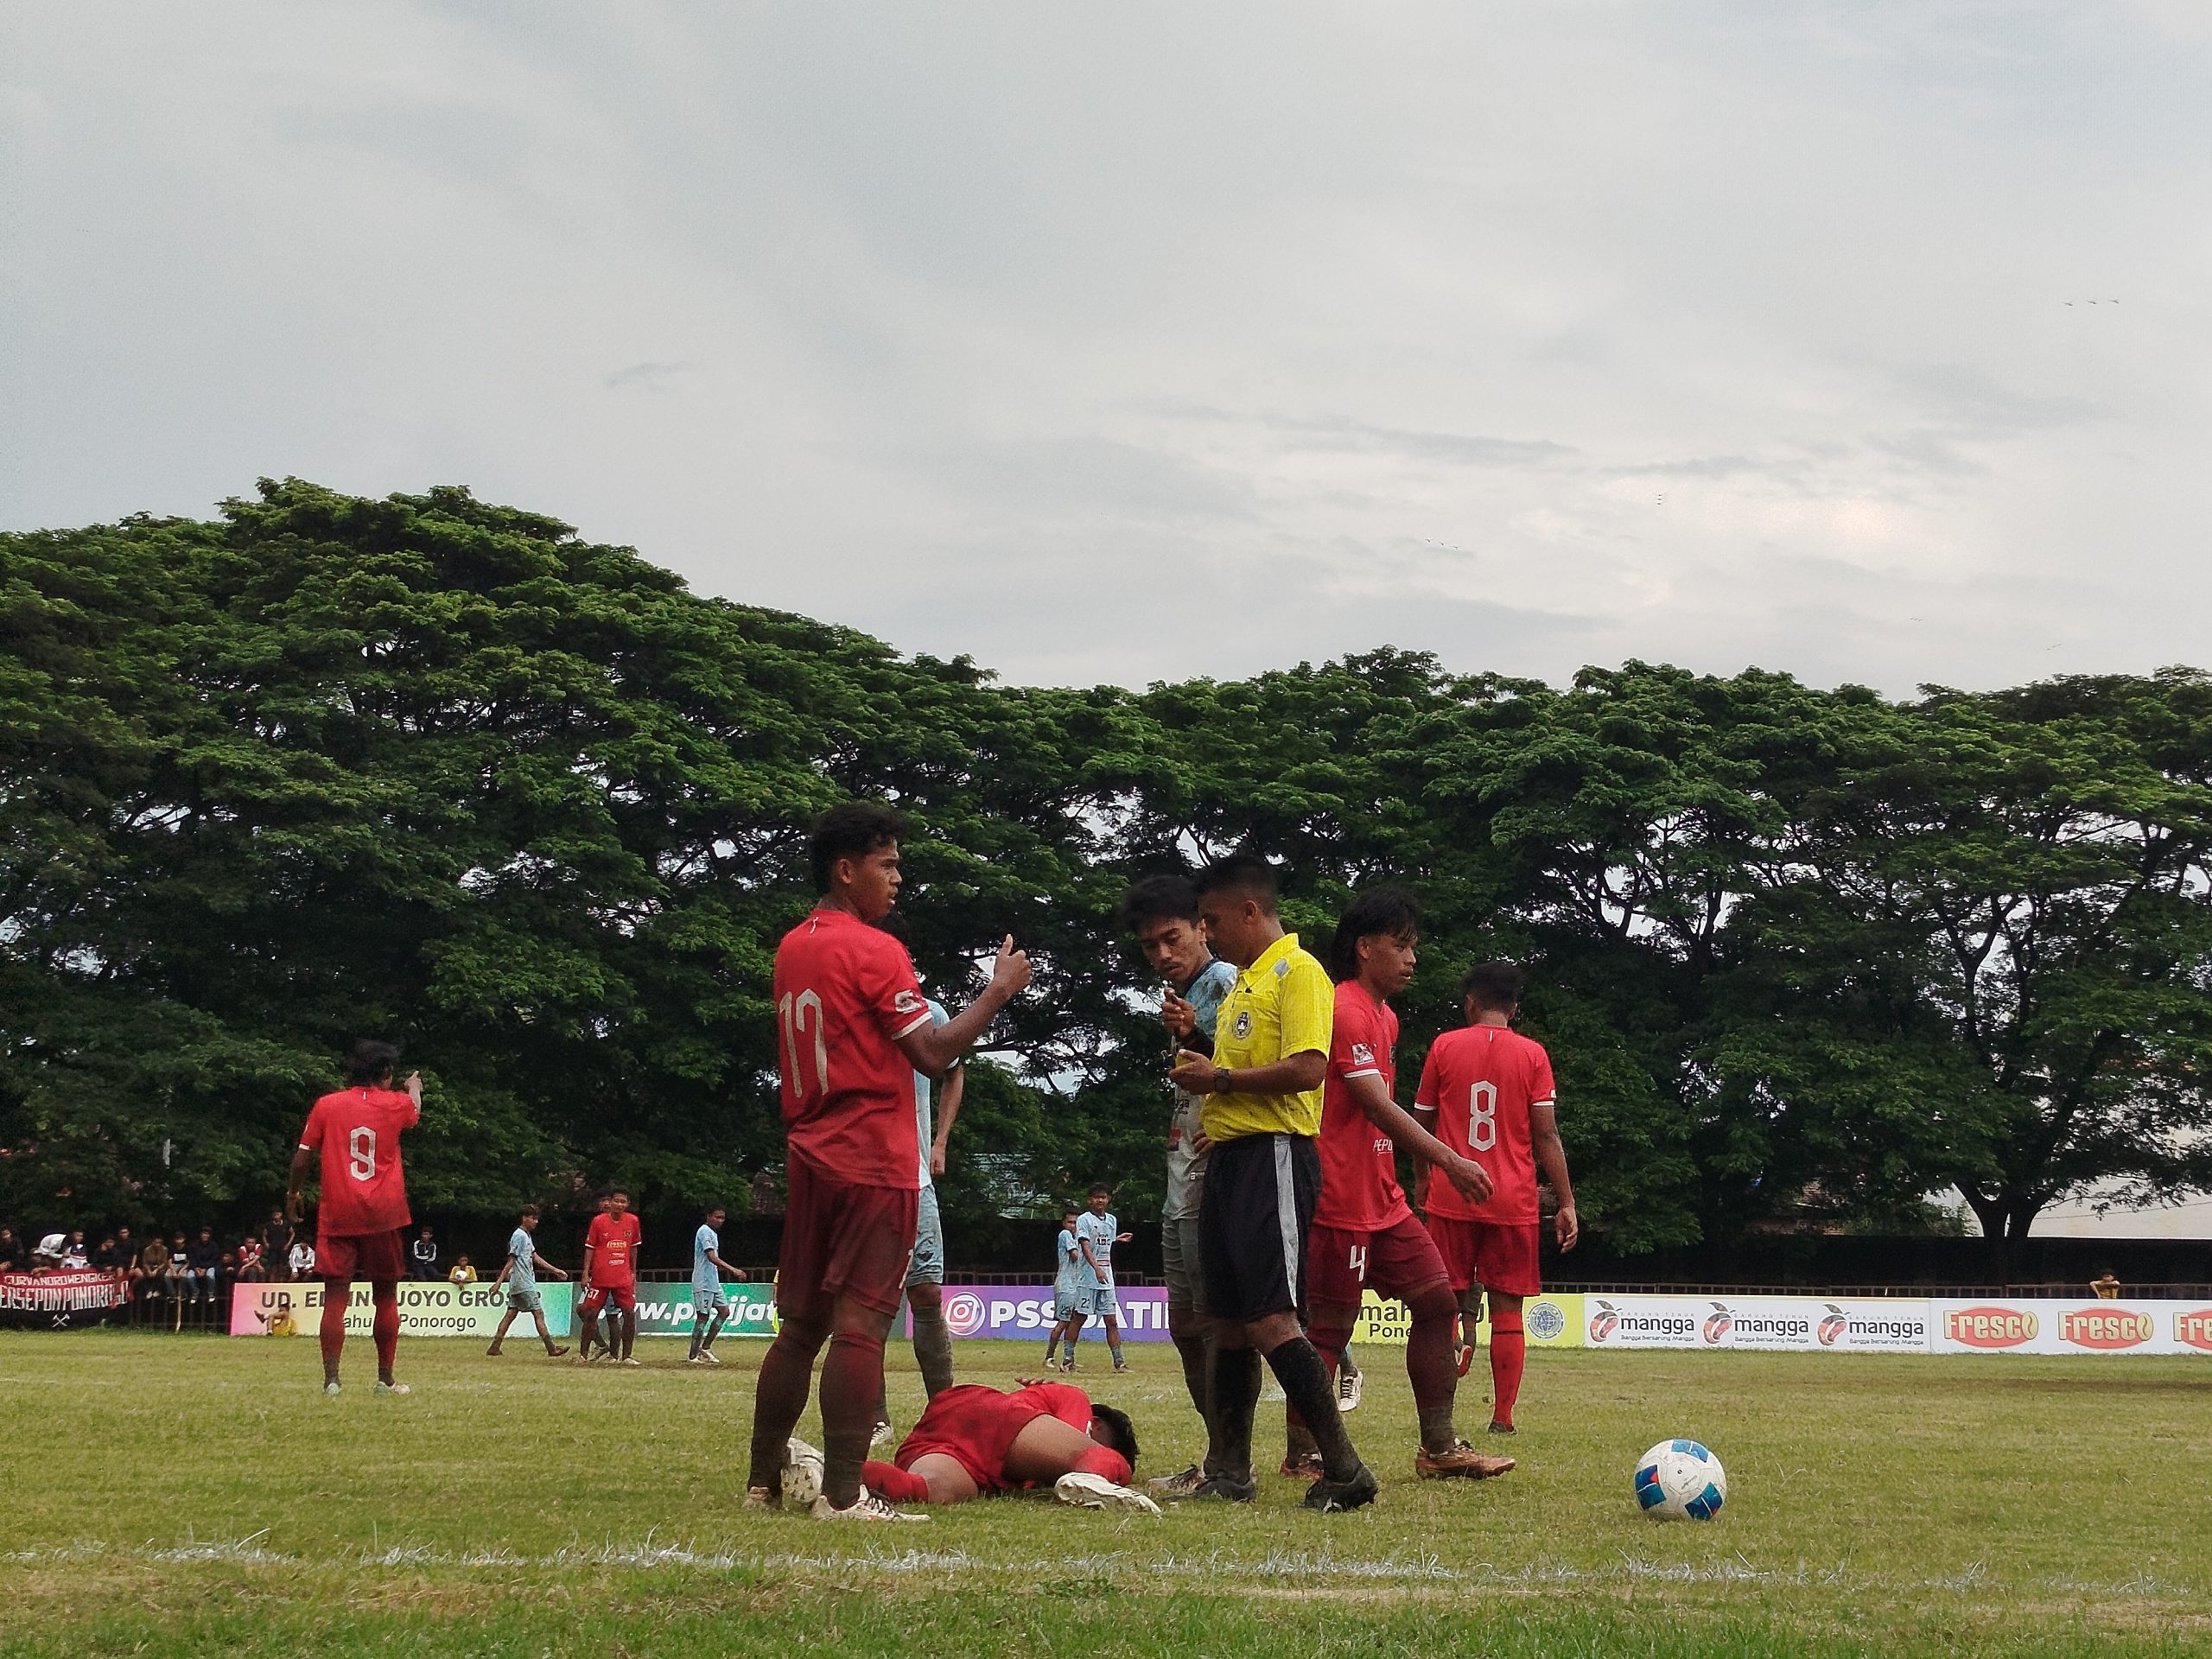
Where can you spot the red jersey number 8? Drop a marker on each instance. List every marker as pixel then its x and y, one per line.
pixel 361 1149
pixel 1481 1117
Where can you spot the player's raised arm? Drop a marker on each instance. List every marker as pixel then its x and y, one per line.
pixel 932 1049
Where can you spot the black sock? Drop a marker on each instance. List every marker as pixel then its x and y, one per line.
pixel 1235 1393
pixel 1297 1365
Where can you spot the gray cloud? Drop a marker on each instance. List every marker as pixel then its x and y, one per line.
pixel 1171 340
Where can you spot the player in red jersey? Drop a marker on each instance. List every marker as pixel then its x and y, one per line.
pixel 974 1441
pixel 853 1029
pixel 362 1210
pixel 1487 1090
pixel 1365 1235
pixel 610 1274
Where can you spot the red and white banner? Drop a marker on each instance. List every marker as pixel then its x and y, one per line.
pixel 86 1292
pixel 2064 1326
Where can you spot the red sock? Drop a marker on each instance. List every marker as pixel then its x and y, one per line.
pixel 1509 1352
pixel 900 1485
pixel 336 1293
pixel 1105 1462
pixel 852 1381
pixel 386 1294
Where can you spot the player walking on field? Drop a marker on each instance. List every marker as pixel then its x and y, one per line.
pixel 1163 914
pixel 520 1278
pixel 1487 1091
pixel 1097 1233
pixel 1364 1235
pixel 852 1031
pixel 362 1209
pixel 710 1301
pixel 610 1275
pixel 1263 1091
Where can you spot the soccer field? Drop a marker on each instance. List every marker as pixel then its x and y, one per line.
pixel 178 1495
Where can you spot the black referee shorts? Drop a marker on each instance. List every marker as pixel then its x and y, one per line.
pixel 1252 1225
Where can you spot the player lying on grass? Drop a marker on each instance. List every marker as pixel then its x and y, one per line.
pixel 520 1277
pixel 1365 1235
pixel 975 1441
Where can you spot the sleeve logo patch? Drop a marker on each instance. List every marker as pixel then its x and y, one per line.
pixel 1362 1054
pixel 907 1002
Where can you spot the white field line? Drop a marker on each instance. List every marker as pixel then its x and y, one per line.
pixel 1277 1566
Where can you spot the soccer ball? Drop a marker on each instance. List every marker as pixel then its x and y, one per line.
pixel 1679 1480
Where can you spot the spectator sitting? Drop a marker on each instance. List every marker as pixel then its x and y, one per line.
pixel 301 1260
pixel 204 1258
pixel 76 1256
pixel 277 1241
pixel 180 1270
pixel 11 1250
pixel 462 1274
pixel 108 1255
pixel 249 1261
pixel 126 1252
pixel 149 1275
pixel 47 1258
pixel 424 1253
pixel 2106 1286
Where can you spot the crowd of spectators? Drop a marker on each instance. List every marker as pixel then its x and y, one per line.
pixel 186 1279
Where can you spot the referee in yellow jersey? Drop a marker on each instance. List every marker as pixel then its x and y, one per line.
pixel 1262 1111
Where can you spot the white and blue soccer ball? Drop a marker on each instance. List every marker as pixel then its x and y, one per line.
pixel 1679 1480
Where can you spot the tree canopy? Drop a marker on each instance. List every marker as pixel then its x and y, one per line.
pixel 437 769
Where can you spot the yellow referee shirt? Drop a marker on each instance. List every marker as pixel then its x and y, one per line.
pixel 1282 1005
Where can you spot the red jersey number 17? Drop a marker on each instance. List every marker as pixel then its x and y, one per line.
pixel 796 1009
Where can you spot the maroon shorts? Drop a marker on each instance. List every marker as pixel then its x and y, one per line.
pixel 975 1426
pixel 841 1239
pixel 1498 1256
pixel 361 1256
pixel 623 1296
pixel 1394 1261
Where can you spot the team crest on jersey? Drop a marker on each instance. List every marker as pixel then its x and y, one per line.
pixel 1242 1025
pixel 1362 1054
pixel 907 1002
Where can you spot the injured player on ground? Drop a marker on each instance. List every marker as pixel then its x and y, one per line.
pixel 975 1441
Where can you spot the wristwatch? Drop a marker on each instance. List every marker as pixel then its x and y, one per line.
pixel 1222 1075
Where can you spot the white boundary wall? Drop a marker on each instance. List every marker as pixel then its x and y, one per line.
pixel 1898 1325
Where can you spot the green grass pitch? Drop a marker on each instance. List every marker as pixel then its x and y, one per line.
pixel 164 1495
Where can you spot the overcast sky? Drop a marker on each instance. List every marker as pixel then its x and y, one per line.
pixel 1132 342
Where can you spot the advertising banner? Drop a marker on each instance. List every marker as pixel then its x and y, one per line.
pixel 436 1309
pixel 1785 1323
pixel 1024 1312
pixel 59 1296
pixel 664 1310
pixel 1548 1321
pixel 1995 1325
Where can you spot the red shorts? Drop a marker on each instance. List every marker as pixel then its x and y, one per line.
pixel 1394 1261
pixel 975 1426
pixel 623 1296
pixel 842 1239
pixel 1499 1255
pixel 372 1256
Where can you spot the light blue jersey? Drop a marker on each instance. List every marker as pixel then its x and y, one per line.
pixel 1099 1231
pixel 925 1121
pixel 524 1249
pixel 1069 1272
pixel 706 1244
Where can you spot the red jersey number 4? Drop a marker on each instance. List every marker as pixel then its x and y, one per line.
pixel 356 1134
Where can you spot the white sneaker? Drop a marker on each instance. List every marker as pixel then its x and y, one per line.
pixel 867 1507
pixel 1096 1492
pixel 393 1388
pixel 883 1436
pixel 629 1360
pixel 697 1359
pixel 330 1389
pixel 707 1356
pixel 802 1480
pixel 1349 1386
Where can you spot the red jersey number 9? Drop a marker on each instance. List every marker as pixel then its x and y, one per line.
pixel 795 1010
pixel 1481 1117
pixel 361 1154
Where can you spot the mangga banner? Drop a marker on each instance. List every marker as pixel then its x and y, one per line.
pixel 1549 1321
